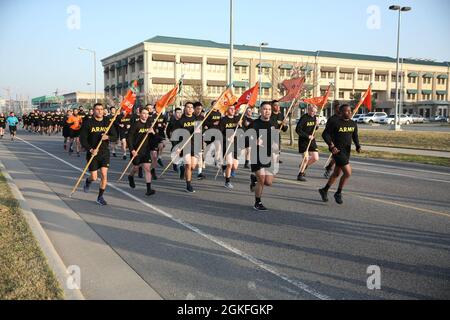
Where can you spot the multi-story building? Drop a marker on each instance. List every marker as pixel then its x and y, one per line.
pixel 66 101
pixel 159 62
pixel 85 99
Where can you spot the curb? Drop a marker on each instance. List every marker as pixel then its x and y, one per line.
pixel 53 259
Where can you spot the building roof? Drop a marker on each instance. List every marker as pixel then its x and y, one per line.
pixel 328 54
pixel 47 99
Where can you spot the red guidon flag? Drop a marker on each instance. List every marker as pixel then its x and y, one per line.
pixel 249 97
pixel 129 100
pixel 166 100
pixel 226 99
pixel 319 102
pixel 294 88
pixel 366 100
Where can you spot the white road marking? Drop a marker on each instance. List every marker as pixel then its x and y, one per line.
pixel 395 174
pixel 222 244
pixel 392 203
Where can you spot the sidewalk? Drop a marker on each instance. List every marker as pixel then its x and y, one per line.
pixel 104 274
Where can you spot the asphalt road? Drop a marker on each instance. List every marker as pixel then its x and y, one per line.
pixel 213 245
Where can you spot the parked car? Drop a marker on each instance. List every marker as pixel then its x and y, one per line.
pixel 357 116
pixel 322 120
pixel 404 120
pixel 372 117
pixel 417 118
pixel 440 119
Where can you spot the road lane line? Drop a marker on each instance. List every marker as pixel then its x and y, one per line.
pixel 213 239
pixel 396 174
pixel 401 205
pixel 376 200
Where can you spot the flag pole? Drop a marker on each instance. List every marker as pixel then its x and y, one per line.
pixel 145 138
pixel 140 147
pixel 192 135
pixel 232 138
pixel 96 150
pixel 354 113
pixel 306 155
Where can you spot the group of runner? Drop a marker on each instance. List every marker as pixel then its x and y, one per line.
pixel 142 137
pixel 42 122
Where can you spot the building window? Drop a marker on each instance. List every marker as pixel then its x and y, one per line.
pixel 426 80
pixel 240 70
pixel 266 71
pixel 133 68
pixel 191 67
pixel 163 65
pixel 327 75
pixel 363 77
pixel 285 73
pixel 426 96
pixel 239 90
pixel 411 96
pixel 266 92
pixel 394 78
pixel 215 90
pixel 215 68
pixel 441 97
pixel 412 80
pixel 346 76
pixel 141 66
pixel 441 81
pixel 380 78
pixel 341 95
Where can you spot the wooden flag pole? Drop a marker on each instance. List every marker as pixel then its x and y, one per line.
pixel 192 135
pixel 289 111
pixel 354 113
pixel 232 138
pixel 140 147
pixel 148 133
pixel 96 149
pixel 306 155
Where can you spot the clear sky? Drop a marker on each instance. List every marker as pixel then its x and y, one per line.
pixel 39 38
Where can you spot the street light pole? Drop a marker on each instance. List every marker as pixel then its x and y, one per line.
pixel 95 76
pixel 400 10
pixel 261 45
pixel 230 67
pixel 90 91
pixel 95 69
